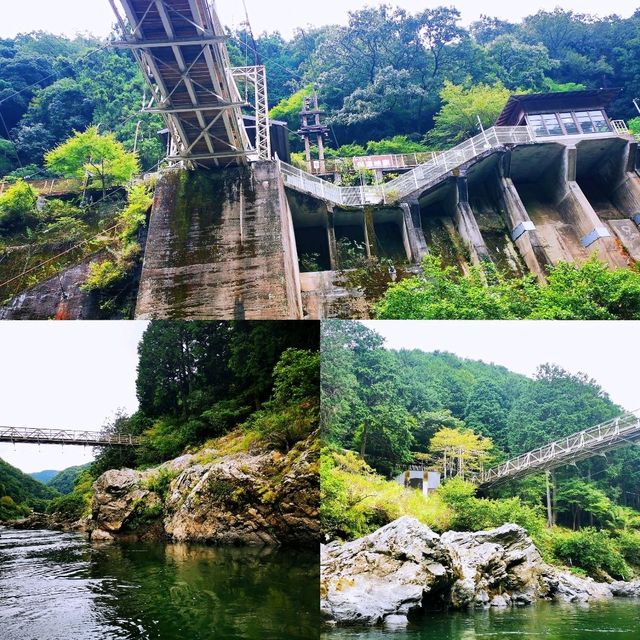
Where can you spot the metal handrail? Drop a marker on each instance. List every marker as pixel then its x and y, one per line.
pixel 66 436
pixel 573 448
pixel 419 178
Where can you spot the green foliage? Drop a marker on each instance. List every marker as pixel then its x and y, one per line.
pixel 289 108
pixel 590 291
pixel 21 487
pixel 17 206
pixel 634 125
pixel 457 120
pixel 69 507
pixel 202 380
pixel 396 145
pixel 354 501
pixel 291 414
pixel 100 156
pixel 594 551
pixel 109 276
pixel 9 510
pixel 159 482
pixel 477 514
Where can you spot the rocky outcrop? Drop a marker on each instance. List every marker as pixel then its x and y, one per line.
pixel 496 568
pixel 404 567
pixel 261 497
pixel 383 577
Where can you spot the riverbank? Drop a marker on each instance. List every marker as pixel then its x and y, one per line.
pixel 232 492
pixel 404 569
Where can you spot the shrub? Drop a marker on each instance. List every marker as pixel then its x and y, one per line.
pixel 159 482
pixel 594 551
pixel 103 275
pixel 70 507
pixel 17 205
pixel 629 545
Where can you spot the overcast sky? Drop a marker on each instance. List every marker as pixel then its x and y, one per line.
pixel 71 375
pixel 95 16
pixel 606 351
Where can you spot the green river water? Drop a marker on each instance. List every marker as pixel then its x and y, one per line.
pixel 614 620
pixel 57 586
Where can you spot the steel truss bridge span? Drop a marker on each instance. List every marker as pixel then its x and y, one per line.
pixel 180 46
pixel 620 431
pixel 27 435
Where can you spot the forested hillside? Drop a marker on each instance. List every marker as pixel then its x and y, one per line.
pixel 64 480
pixel 19 493
pixel 387 73
pixel 384 409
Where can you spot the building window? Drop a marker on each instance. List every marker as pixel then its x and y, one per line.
pixel 568 123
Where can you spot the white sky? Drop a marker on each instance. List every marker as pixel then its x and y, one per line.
pixel 606 351
pixel 95 16
pixel 72 375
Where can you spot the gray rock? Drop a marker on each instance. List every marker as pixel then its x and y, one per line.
pixel 625 589
pixel 383 575
pixel 571 588
pixel 503 561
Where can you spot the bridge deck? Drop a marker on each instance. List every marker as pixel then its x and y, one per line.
pixel 180 47
pixel 29 435
pixel 604 437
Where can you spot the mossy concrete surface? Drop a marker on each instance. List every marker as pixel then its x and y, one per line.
pixel 221 246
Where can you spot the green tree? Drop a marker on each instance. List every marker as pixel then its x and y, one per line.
pixel 457 120
pixel 100 156
pixel 463 452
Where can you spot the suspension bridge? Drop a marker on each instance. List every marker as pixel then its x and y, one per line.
pixel 620 431
pixel 27 435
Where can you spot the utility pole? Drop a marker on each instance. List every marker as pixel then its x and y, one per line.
pixel 312 127
pixel 549 502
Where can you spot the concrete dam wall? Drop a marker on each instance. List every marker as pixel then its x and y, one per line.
pixel 233 244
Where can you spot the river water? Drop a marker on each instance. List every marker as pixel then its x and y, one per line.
pixel 57 586
pixel 613 620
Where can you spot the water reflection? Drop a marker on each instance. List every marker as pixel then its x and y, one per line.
pixel 56 585
pixel 619 619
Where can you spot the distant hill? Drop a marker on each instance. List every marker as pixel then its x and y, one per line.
pixel 44 476
pixel 64 480
pixel 20 492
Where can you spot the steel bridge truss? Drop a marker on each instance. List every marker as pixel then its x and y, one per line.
pixel 28 435
pixel 604 437
pixel 180 46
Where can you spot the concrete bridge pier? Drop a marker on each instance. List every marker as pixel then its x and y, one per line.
pixel 523 230
pixel 466 223
pixel 221 245
pixel 413 229
pixel 331 238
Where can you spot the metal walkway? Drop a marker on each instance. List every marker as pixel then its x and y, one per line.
pixel 62 436
pixel 419 179
pixel 180 46
pixel 604 437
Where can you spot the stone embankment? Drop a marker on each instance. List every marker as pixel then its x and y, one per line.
pixel 405 567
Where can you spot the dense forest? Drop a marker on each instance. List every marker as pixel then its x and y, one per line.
pixel 387 73
pixel 383 410
pixel 199 382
